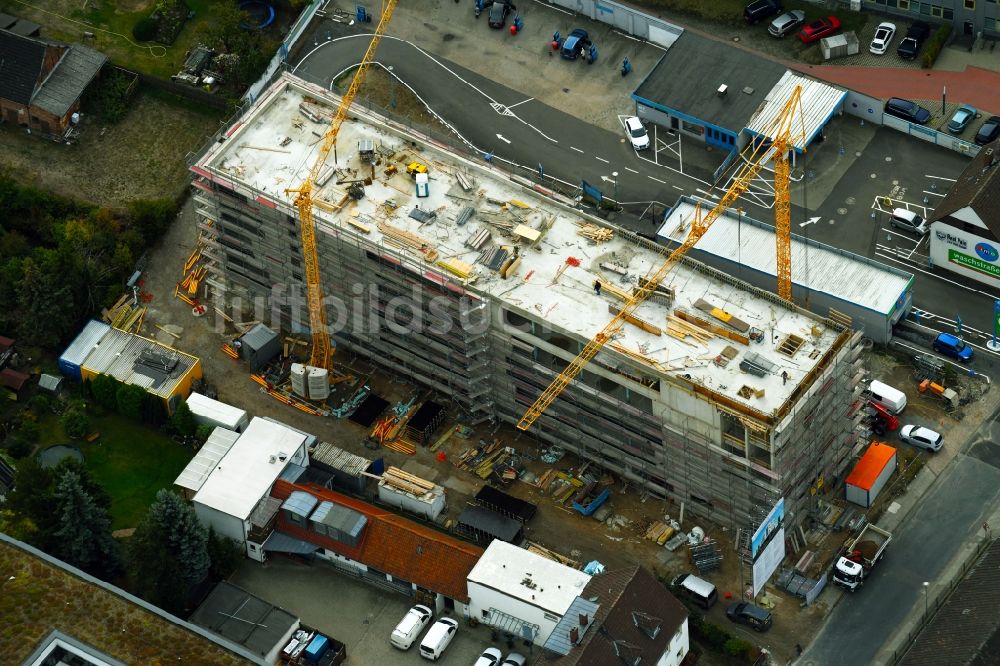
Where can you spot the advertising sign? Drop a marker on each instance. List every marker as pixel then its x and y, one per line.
pixel 774 520
pixel 769 560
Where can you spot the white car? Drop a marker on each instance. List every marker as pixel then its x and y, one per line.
pixel 438 638
pixel 921 437
pixel 490 657
pixel 883 37
pixel 636 133
pixel 514 659
pixel 410 626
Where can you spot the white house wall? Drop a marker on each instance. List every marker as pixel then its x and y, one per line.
pixel 482 598
pixel 222 523
pixel 677 649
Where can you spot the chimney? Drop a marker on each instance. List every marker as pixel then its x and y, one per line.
pixel 574 635
pixel 584 620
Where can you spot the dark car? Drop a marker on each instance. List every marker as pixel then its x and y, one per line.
pixel 953 346
pixel 755 617
pixel 575 45
pixel 499 9
pixel 907 110
pixel 989 131
pixel 819 29
pixel 758 10
pixel 915 36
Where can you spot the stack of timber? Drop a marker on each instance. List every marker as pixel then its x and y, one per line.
pixel 404 237
pixel 681 329
pixel 407 482
pixel 636 321
pixel 549 554
pixel 659 532
pixel 124 315
pixel 595 233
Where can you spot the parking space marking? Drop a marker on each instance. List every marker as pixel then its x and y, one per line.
pixel 576 149
pixel 677 187
pixel 951 180
pixel 601 159
pixel 657 180
pixel 632 170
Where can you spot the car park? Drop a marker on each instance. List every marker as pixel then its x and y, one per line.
pixel 490 657
pixel 758 10
pixel 819 29
pixel 755 617
pixel 921 437
pixel 988 132
pixel 514 659
pixel 637 134
pixel 961 119
pixel 576 44
pixel 499 9
pixel 883 37
pixel 952 346
pixel 438 638
pixel 907 110
pixel 410 626
pixel 787 23
pixel 907 220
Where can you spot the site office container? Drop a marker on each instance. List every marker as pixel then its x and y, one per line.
pixel 870 474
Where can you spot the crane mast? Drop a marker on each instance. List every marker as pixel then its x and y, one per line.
pixel 783 139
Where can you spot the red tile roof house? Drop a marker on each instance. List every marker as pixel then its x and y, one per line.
pixel 373 543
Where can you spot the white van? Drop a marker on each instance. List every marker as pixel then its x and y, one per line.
pixel 438 638
pixel 892 399
pixel 697 590
pixel 410 627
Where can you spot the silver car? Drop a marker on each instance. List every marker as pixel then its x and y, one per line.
pixel 787 23
pixel 921 437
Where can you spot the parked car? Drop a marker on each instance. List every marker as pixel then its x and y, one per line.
pixel 883 37
pixel 914 39
pixel 499 9
pixel 410 626
pixel 438 638
pixel 787 23
pixel 514 659
pixel 758 10
pixel 637 134
pixel 576 44
pixel 819 29
pixel 490 657
pixel 963 116
pixel 953 346
pixel 907 110
pixel 907 220
pixel 922 437
pixel 755 617
pixel 989 132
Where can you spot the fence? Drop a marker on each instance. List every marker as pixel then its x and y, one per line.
pixel 192 93
pixel 277 62
pixel 628 20
pixel 939 600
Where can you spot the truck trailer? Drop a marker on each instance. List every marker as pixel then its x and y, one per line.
pixel 859 557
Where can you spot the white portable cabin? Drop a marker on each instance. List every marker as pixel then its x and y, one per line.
pixel 214 413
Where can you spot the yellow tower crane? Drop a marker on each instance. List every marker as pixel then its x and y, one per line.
pixel 321 355
pixel 755 155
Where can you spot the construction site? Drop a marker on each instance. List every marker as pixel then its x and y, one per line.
pixel 715 395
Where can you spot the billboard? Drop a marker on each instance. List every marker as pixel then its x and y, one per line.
pixel 769 559
pixel 773 522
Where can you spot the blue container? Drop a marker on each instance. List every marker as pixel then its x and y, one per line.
pixel 317 648
pixel 78 351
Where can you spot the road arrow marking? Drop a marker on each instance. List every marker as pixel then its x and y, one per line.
pixel 503 138
pixel 811 220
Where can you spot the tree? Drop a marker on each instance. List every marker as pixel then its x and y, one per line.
pixel 182 422
pixel 168 548
pixel 75 423
pixel 224 553
pixel 104 388
pixel 82 535
pixel 203 432
pixel 130 399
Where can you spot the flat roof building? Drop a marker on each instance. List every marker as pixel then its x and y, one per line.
pixel 503 286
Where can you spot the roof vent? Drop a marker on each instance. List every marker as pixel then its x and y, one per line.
pixel 272 459
pixel 748 90
pixel 722 90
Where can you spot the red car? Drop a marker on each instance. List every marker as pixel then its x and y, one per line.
pixel 819 29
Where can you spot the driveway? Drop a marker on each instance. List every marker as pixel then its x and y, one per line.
pixel 358 614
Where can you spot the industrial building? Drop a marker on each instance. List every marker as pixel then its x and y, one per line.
pixel 863 294
pixel 717 396
pixel 100 349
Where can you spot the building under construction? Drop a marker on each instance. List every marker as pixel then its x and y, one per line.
pixel 716 395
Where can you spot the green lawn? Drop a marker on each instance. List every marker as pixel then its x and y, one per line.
pixel 131 461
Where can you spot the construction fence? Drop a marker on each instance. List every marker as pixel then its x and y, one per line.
pixel 626 19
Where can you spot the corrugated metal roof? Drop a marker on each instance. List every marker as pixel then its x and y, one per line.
pixel 117 353
pixel 84 343
pixel 300 503
pixel 344 519
pixel 819 101
pixel 208 456
pixel 338 458
pixel 815 266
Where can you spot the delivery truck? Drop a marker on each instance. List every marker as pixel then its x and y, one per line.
pixel 859 557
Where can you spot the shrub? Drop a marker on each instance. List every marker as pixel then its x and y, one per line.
pixel 75 423
pixel 204 432
pixel 737 647
pixel 130 400
pixel 18 446
pixel 146 29
pixel 39 404
pixel 934 46
pixel 29 431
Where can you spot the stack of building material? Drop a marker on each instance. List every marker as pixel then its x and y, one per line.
pixel 636 321
pixel 550 554
pixel 659 532
pixel 457 267
pixel 493 257
pixel 125 315
pixel 405 481
pixel 406 238
pixel 681 329
pixel 478 239
pixel 617 292
pixel 595 233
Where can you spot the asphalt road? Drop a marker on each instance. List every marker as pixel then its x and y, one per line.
pixel 949 514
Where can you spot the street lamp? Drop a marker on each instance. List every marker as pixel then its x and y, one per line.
pixel 614 174
pixel 392 87
pixel 926 585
